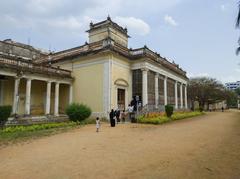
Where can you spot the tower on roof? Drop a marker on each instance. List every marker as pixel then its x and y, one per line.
pixel 108 29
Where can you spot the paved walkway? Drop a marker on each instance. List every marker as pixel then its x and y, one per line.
pixel 204 147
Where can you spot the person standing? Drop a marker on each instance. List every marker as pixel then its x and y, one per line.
pixel 130 112
pixel 97 124
pixel 111 116
pixel 117 114
pixel 123 116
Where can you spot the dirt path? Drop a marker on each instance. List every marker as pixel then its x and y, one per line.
pixel 204 147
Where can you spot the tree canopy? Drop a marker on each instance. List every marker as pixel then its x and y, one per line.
pixel 207 90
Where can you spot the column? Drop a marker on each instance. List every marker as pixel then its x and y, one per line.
pixel 56 99
pixel 186 101
pixel 165 90
pixel 144 87
pixel 48 98
pixel 70 94
pixel 16 95
pixel 176 95
pixel 28 97
pixel 156 90
pixel 181 95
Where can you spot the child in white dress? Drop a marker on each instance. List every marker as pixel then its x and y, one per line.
pixel 97 124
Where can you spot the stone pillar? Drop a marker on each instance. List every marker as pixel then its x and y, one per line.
pixel 48 98
pixel 176 95
pixel 28 97
pixel 16 96
pixel 56 99
pixel 144 87
pixel 165 90
pixel 156 90
pixel 181 95
pixel 70 94
pixel 186 101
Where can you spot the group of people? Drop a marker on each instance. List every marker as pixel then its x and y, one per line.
pixel 117 115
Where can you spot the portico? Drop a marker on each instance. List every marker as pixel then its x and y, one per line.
pixel 33 94
pixel 173 84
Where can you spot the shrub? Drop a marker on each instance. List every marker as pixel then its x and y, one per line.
pixel 5 112
pixel 163 119
pixel 201 109
pixel 78 112
pixel 169 110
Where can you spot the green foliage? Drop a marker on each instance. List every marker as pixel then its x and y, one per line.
pixel 78 112
pixel 178 116
pixel 154 120
pixel 169 110
pixel 238 91
pixel 36 127
pixel 20 133
pixel 231 98
pixel 201 109
pixel 5 112
pixel 163 119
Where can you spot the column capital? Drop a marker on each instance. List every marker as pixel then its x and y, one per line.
pixel 165 77
pixel 145 69
pixel 156 75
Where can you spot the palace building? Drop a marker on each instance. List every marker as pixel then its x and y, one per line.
pixel 103 73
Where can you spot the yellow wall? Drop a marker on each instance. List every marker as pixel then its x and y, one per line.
pixel 120 70
pixel 88 80
pixel 102 33
pixel 8 88
pixel 38 97
pixel 88 86
pixel 63 98
pixel 38 92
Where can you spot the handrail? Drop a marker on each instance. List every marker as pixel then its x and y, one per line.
pixel 30 66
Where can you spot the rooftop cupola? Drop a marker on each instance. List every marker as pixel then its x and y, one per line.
pixel 108 29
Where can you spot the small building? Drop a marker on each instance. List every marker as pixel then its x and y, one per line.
pixel 102 73
pixel 233 85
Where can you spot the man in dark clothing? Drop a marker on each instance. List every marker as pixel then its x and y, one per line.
pixel 112 120
pixel 117 114
pixel 134 104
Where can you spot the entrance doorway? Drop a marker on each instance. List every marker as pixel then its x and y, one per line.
pixel 121 99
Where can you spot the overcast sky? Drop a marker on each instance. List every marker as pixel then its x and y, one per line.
pixel 198 35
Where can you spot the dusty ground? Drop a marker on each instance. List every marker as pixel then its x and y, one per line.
pixel 204 147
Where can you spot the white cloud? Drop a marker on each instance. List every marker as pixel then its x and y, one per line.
pixel 223 7
pixel 204 74
pixel 71 23
pixel 134 25
pixel 169 20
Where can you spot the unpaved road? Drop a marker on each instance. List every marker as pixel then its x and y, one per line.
pixel 203 147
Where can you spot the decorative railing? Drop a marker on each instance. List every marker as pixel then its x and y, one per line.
pixel 24 65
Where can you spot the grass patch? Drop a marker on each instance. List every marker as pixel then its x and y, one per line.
pixel 161 118
pixel 22 133
pixel 16 134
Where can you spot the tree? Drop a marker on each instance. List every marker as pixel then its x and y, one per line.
pixel 231 98
pixel 238 25
pixel 238 91
pixel 205 90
